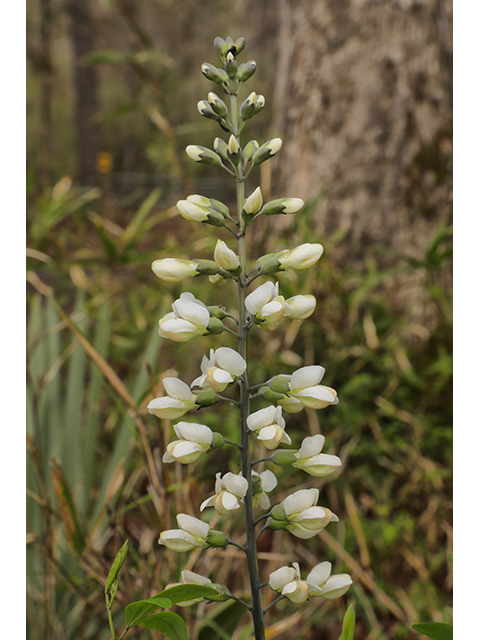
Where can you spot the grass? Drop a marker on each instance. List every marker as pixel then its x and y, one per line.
pixel 94 475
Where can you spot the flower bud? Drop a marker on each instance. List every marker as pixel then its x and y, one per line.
pixel 231 65
pixel 221 47
pixel 278 513
pixel 222 593
pixel 217 439
pixel 225 257
pixel 283 205
pixel 249 150
pixel 256 485
pixel 246 71
pixel 301 257
pixel 206 110
pixel 247 107
pixel 270 395
pixel 219 206
pixel 259 104
pixel 276 525
pixel 173 270
pixel 254 202
pixel 215 327
pixel 233 150
pixel 267 150
pixel 203 155
pixel 215 75
pixel 217 105
pixel 300 307
pixel 190 210
pixel 207 267
pixel 220 147
pixel 269 267
pixel 217 312
pixel 240 45
pixel 216 538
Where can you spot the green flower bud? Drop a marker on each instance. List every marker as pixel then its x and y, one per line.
pixel 284 457
pixel 240 45
pixel 217 105
pixel 283 205
pixel 216 538
pixel 250 149
pixel 256 485
pixel 215 75
pixel 217 440
pixel 217 312
pixel 215 327
pixel 203 155
pixel 267 150
pixel 254 202
pixel 270 266
pixel 215 219
pixel 223 593
pixel 246 71
pixel 233 150
pixel 231 65
pixel 263 259
pixel 247 107
pixel 206 110
pixel 259 104
pixel 218 206
pixel 221 47
pixel 280 383
pixel 206 398
pixel 220 147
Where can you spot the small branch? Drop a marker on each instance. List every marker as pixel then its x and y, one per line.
pixel 263 517
pixel 239 546
pixel 249 281
pixel 234 443
pixel 247 606
pixel 230 331
pixel 272 603
pixel 228 399
pixel 264 528
pixel 261 460
pixel 264 584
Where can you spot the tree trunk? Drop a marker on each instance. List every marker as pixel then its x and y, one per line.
pixel 363 102
pixel 86 94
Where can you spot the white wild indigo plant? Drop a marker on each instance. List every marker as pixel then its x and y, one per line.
pixel 264 308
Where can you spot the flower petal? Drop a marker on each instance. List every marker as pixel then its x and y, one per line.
pixel 306 377
pixel 311 445
pixel 192 525
pixel 194 432
pixel 262 294
pixel 300 500
pixel 176 388
pixel 230 360
pixel 279 578
pixel 320 574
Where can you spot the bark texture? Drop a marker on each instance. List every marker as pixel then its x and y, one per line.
pixel 363 102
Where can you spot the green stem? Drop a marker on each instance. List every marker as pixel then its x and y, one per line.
pixel 251 546
pixel 110 619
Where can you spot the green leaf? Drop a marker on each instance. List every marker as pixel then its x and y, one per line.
pixel 435 630
pixel 135 610
pixel 171 624
pixel 348 624
pixel 116 566
pixel 184 592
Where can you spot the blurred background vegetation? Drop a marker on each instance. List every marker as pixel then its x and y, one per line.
pixel 111 104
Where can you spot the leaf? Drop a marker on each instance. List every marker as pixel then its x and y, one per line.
pixel 435 630
pixel 348 624
pixel 135 610
pixel 171 624
pixel 185 592
pixel 68 508
pixel 116 566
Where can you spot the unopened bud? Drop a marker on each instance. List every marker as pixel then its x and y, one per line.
pixel 217 105
pixel 233 150
pixel 206 110
pixel 215 75
pixel 217 440
pixel 216 538
pixel 276 525
pixel 254 202
pixel 221 47
pixel 247 107
pixel 231 65
pixel 215 327
pixel 203 155
pixel 219 206
pixel 270 266
pixel 220 147
pixel 240 45
pixel 270 395
pixel 222 593
pixel 267 150
pixel 217 312
pixel 278 513
pixel 280 383
pixel 259 104
pixel 246 71
pixel 206 267
pixel 256 485
pixel 283 205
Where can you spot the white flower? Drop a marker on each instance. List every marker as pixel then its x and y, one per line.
pixel 269 425
pixel 233 146
pixel 287 581
pixel 192 533
pixel 266 305
pixel 268 482
pixel 173 270
pixel 223 367
pixel 320 583
pixel 179 400
pixel 194 208
pixel 194 439
pixel 301 257
pixel 305 388
pixel 312 461
pixel 300 307
pixel 254 202
pixel 189 577
pixel 305 518
pixel 283 205
pixel 229 490
pixel 189 318
pixel 225 257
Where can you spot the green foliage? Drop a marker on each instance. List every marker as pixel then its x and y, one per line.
pixel 435 630
pixel 171 624
pixel 348 628
pixel 116 566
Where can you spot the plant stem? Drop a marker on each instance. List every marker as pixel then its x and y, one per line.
pixel 110 619
pixel 251 546
pixel 273 603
